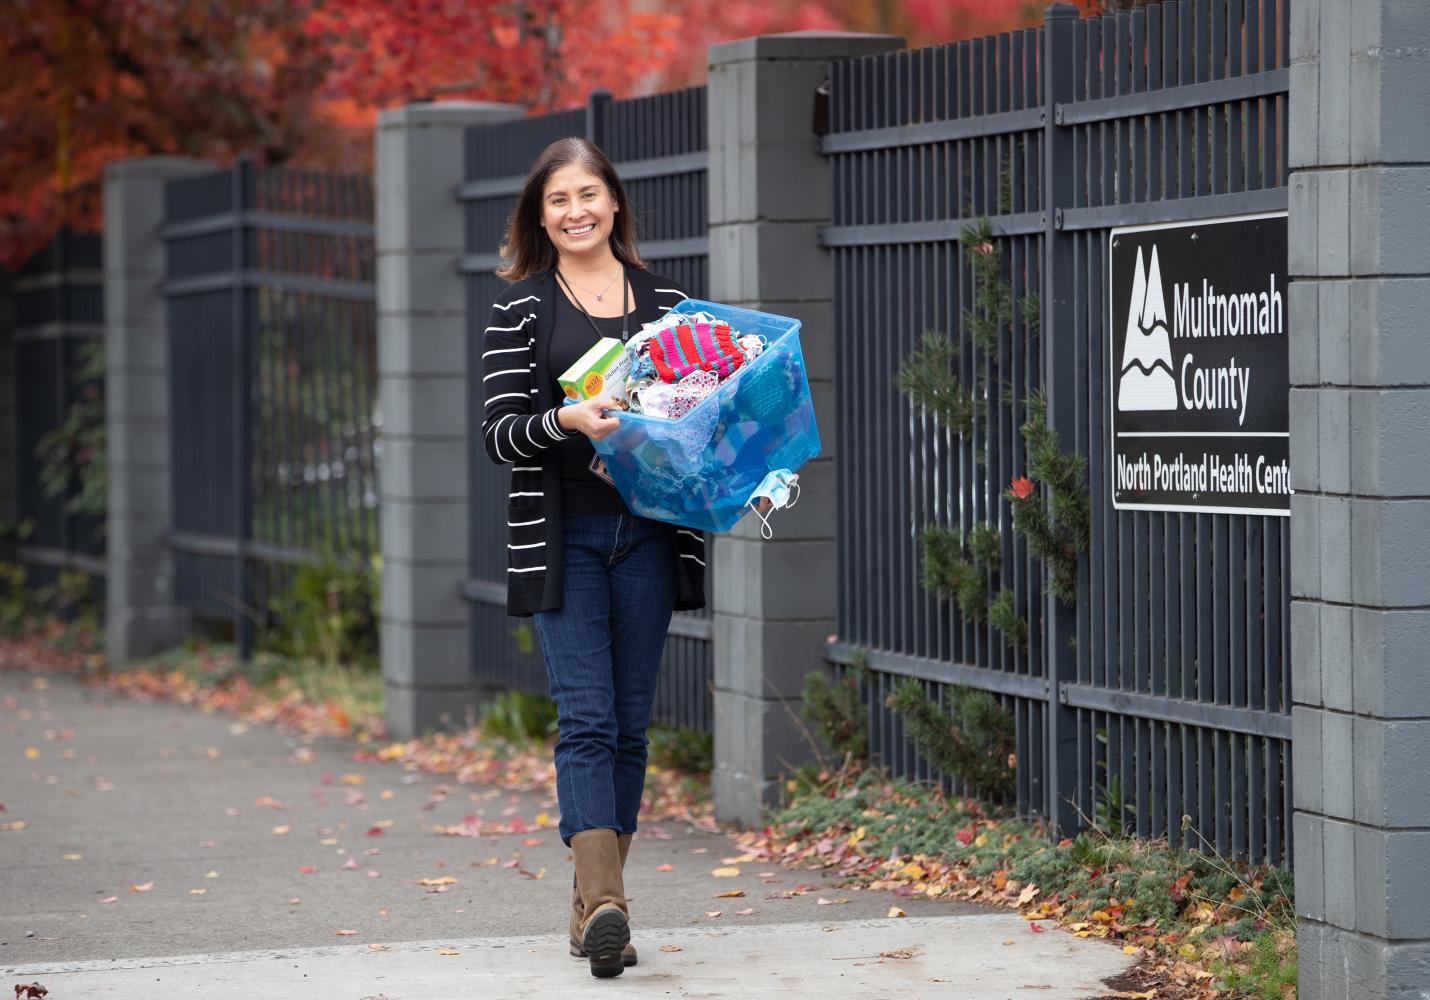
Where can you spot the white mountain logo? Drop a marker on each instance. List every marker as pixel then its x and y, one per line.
pixel 1146 382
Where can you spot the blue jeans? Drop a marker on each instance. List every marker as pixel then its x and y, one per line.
pixel 603 651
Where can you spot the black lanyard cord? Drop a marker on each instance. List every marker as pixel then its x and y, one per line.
pixel 625 305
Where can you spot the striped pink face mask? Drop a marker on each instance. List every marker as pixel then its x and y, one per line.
pixel 700 346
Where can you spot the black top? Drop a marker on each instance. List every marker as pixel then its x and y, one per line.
pixel 582 491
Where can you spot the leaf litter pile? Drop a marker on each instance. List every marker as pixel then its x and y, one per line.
pixel 1201 927
pixel 335 701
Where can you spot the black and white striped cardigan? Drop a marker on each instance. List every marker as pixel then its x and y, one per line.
pixel 519 428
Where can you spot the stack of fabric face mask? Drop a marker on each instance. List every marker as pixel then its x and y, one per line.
pixel 678 361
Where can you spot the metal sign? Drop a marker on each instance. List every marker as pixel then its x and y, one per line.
pixel 1199 366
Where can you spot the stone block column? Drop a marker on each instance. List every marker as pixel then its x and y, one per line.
pixel 422 368
pixel 141 618
pixel 1360 517
pixel 774 601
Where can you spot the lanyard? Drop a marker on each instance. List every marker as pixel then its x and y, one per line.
pixel 625 306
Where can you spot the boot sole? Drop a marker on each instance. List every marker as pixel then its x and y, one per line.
pixel 579 954
pixel 605 937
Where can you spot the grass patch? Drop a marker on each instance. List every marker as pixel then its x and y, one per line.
pixel 1265 969
pixel 1234 923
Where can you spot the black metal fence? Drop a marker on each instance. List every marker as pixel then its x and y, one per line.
pixel 1165 692
pixel 658 144
pixel 58 311
pixel 273 381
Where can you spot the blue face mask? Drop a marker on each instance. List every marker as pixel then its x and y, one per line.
pixel 781 488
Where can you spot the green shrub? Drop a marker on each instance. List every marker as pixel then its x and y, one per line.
pixel 328 612
pixel 688 751
pixel 518 717
pixel 974 742
pixel 836 709
pixel 17 604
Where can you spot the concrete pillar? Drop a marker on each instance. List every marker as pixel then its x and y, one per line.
pixel 1360 517
pixel 9 418
pixel 422 367
pixel 141 617
pixel 774 602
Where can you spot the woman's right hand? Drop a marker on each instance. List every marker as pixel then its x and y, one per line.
pixel 589 417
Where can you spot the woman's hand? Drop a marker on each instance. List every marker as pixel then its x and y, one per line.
pixel 589 417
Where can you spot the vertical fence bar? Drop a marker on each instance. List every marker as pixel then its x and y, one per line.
pixel 1060 376
pixel 243 171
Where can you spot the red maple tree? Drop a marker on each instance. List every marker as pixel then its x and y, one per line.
pixel 88 82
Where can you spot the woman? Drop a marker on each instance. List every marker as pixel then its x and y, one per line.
pixel 601 582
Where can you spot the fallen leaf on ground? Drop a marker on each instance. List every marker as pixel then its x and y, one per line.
pixel 197 892
pixel 1036 928
pixel 74 857
pixel 900 953
pixel 712 913
pixel 141 888
pixel 745 912
pixel 110 899
pixel 346 933
pixel 281 830
pixel 447 951
pixel 671 949
pixel 732 894
pixel 831 902
pixel 378 947
pixel 307 869
pixel 666 868
pixel 444 880
pixel 294 901
pixel 894 911
pixel 728 872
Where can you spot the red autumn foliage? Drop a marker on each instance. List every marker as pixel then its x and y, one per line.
pixel 1021 488
pixel 89 82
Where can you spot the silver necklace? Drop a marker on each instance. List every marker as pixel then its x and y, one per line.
pixel 601 295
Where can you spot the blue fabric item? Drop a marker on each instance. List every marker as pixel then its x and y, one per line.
pixel 700 469
pixel 603 651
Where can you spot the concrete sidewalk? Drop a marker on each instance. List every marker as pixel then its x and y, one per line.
pixel 115 793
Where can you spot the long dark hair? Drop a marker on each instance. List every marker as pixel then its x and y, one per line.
pixel 526 249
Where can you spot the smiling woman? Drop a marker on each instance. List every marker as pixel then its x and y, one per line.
pixel 601 582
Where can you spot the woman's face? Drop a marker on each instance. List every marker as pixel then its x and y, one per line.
pixel 577 211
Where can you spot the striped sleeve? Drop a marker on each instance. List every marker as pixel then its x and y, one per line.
pixel 510 430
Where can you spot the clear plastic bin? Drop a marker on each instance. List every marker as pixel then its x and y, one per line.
pixel 700 469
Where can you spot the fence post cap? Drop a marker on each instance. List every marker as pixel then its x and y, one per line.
pixel 803 46
pixel 158 166
pixel 453 113
pixel 1059 10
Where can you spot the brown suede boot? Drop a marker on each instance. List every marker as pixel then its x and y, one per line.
pixel 578 911
pixel 605 927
